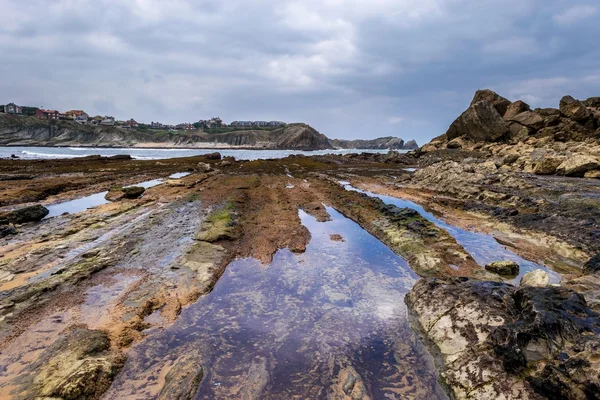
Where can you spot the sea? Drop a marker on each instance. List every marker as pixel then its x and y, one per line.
pixel 155 154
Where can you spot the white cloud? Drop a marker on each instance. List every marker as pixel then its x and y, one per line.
pixel 575 14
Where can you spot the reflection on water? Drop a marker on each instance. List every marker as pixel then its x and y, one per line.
pixel 286 330
pixel 483 248
pixel 95 200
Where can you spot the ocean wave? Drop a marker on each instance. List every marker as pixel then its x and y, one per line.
pixel 51 155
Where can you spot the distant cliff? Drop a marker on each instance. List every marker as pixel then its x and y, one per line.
pixel 387 142
pixel 27 131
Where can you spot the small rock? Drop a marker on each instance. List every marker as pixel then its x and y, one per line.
pixel 225 163
pixel 204 167
pixel 212 156
pixel 14 156
pixel 120 157
pixel 336 238
pixel 23 215
pixel 504 268
pixel 547 166
pixel 6 230
pixel 592 174
pixel 119 193
pixel 537 278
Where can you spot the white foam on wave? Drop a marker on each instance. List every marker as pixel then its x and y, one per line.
pixel 51 155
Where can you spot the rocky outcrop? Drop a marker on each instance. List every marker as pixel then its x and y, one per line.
pixel 79 365
pixel 498 102
pixel 574 109
pixel 480 122
pixel 33 132
pixel 493 340
pixel 388 142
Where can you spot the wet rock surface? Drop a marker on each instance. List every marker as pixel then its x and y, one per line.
pixel 545 338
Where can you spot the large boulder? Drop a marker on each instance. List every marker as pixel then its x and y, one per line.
pixel 574 109
pixel 529 119
pixel 578 165
pixel 480 122
pixel 23 215
pixel 515 109
pixel 500 103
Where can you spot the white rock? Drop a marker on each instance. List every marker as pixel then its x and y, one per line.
pixel 537 278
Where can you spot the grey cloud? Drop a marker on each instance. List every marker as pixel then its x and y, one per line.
pixel 350 68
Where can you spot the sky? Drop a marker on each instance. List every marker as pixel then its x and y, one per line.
pixel 350 68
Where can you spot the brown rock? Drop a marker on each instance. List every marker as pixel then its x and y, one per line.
pixel 593 102
pixel 574 109
pixel 480 122
pixel 23 215
pixel 529 119
pixel 212 156
pixel 500 103
pixel 515 109
pixel 120 193
pixel 505 268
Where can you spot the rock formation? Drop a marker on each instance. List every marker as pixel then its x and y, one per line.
pixel 33 132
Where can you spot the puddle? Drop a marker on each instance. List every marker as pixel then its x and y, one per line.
pixel 410 169
pixel 179 175
pixel 483 248
pixel 94 200
pixel 285 330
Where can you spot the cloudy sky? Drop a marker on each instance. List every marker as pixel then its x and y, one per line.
pixel 350 68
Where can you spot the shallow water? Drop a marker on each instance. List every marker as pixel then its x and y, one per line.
pixel 152 154
pixel 285 330
pixel 483 248
pixel 97 199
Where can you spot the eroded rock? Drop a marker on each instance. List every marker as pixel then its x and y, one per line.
pixel 500 103
pixel 79 365
pixel 497 341
pixel 480 122
pixel 574 109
